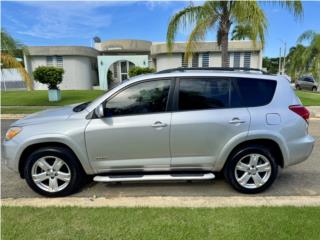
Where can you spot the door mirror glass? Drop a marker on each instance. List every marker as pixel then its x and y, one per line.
pixel 99 111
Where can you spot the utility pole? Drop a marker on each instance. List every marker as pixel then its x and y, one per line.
pixel 279 71
pixel 284 59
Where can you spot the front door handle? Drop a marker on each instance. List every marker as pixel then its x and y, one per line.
pixel 236 121
pixel 159 124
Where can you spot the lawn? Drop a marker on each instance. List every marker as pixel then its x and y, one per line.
pixel 160 223
pixel 40 98
pixel 309 98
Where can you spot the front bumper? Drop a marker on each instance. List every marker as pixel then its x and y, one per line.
pixel 10 154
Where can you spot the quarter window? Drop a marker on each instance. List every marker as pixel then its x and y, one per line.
pixel 256 92
pixel 197 94
pixel 142 98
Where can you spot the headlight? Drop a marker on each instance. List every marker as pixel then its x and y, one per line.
pixel 12 132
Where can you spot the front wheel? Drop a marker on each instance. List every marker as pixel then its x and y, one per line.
pixel 251 170
pixel 53 172
pixel 314 89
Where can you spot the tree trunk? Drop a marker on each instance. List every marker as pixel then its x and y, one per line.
pixel 225 28
pixel 224 50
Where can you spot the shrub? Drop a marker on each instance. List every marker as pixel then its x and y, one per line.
pixel 135 71
pixel 52 76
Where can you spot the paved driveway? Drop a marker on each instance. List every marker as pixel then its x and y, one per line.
pixel 298 180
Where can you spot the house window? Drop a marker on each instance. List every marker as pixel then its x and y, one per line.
pixel 183 62
pixel 59 60
pixel 195 60
pixel 115 70
pixel 49 61
pixel 205 59
pixel 247 60
pixel 236 59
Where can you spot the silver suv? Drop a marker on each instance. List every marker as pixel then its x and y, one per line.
pixel 306 83
pixel 174 125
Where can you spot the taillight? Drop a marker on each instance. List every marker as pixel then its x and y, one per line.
pixel 301 111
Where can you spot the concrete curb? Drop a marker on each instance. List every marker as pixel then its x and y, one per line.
pixel 193 202
pixel 12 116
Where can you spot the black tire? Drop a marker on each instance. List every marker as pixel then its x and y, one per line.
pixel 298 87
pixel 314 89
pixel 77 173
pixel 229 169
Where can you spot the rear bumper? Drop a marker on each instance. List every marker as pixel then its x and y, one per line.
pixel 300 150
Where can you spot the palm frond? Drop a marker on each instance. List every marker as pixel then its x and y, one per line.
pixel 182 19
pixel 198 33
pixel 251 18
pixel 9 61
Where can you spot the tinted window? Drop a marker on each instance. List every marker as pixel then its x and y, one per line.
pixel 256 92
pixel 196 94
pixel 142 98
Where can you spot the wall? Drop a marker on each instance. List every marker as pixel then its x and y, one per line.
pixel 165 61
pixel 79 73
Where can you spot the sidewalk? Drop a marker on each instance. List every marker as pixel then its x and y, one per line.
pixel 195 202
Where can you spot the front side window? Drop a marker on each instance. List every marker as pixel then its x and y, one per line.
pixel 142 98
pixel 202 93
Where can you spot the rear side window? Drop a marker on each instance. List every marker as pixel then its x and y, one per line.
pixel 203 93
pixel 256 92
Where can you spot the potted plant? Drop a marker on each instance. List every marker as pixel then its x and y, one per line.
pixel 52 76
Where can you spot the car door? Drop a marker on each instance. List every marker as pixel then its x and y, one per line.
pixel 208 114
pixel 134 134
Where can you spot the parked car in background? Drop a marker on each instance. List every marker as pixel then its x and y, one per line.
pixel 306 83
pixel 179 124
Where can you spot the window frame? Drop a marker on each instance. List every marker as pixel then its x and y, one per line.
pixel 168 107
pixel 175 107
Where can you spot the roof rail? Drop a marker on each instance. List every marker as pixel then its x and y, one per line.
pixel 185 69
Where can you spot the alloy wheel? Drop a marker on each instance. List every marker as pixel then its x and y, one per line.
pixel 51 174
pixel 253 171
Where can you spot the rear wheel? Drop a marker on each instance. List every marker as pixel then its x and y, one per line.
pixel 251 170
pixel 298 87
pixel 314 89
pixel 53 172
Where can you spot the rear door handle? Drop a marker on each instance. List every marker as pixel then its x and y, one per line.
pixel 236 121
pixel 159 124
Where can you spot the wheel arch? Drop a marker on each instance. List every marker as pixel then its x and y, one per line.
pixel 269 143
pixel 31 148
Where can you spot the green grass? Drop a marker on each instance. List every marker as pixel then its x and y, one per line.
pixel 309 98
pixel 40 98
pixel 160 223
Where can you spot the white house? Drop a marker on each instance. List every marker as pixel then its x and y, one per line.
pixel 87 68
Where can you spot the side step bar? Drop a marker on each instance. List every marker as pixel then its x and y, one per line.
pixel 158 177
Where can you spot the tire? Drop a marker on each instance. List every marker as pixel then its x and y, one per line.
pixel 314 89
pixel 238 169
pixel 64 178
pixel 298 87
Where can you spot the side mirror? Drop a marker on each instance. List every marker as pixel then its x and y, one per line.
pixel 99 111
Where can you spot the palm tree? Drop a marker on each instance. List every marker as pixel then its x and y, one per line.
pixel 221 15
pixel 311 55
pixel 10 48
pixel 295 62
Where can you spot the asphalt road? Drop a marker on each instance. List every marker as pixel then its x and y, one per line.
pixel 299 180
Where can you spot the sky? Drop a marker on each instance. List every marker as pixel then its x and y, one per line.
pixel 40 23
